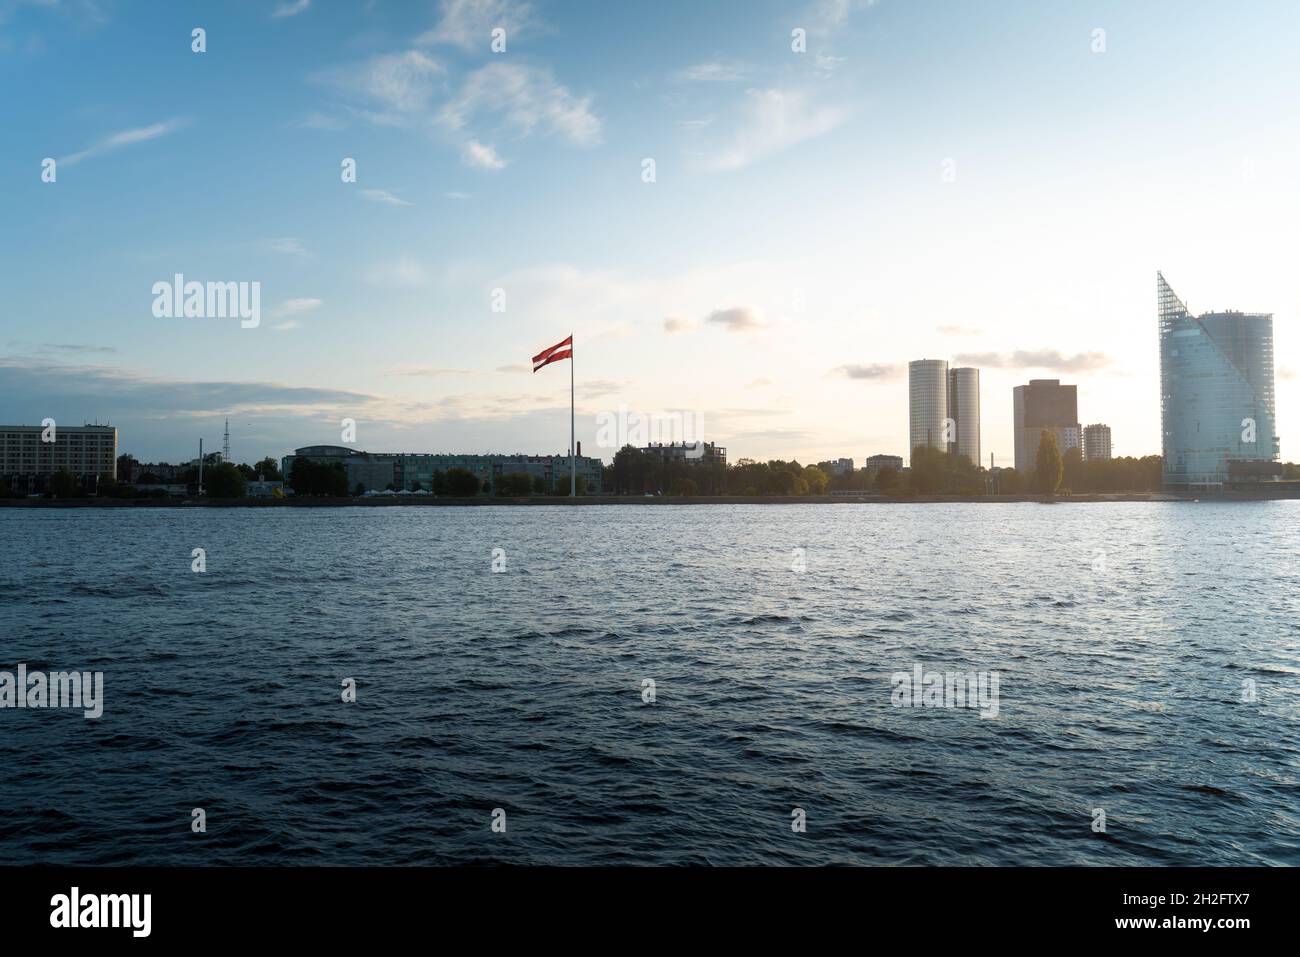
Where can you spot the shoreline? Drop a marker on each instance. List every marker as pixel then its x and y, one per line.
pixel 391 501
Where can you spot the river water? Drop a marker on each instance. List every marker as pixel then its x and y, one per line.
pixel 656 684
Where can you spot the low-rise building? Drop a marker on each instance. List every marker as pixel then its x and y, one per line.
pixel 412 471
pixel 698 453
pixel 876 463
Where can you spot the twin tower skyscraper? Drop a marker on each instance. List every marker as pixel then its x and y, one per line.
pixel 944 408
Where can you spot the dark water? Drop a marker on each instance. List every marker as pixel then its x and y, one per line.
pixel 1121 684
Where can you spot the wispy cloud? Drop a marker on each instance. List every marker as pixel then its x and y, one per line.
pixel 714 71
pixel 468 24
pixel 290 308
pixel 427 372
pixel 1036 359
pixel 521 99
pixel 293 307
pixel 288 245
pixel 871 371
pixel 125 138
pixel 62 348
pixel 290 9
pixel 499 100
pixel 675 324
pixel 824 16
pixel 771 121
pixel 400 86
pixel 383 196
pixel 959 331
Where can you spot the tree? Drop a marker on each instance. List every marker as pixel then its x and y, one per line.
pixel 562 486
pixel 317 478
pixel 886 480
pixel 63 484
pixel 359 490
pixel 1010 482
pixel 462 483
pixel 926 477
pixel 1047 465
pixel 225 481
pixel 539 485
pixel 683 487
pixel 269 469
pixel 818 481
pixel 1072 468
pixel 515 484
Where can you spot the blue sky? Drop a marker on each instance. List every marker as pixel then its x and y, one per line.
pixel 943 180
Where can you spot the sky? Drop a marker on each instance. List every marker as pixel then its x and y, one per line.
pixel 992 184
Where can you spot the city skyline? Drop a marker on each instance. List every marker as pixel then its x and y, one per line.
pixel 524 172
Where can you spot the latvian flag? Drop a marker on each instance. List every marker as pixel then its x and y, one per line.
pixel 561 350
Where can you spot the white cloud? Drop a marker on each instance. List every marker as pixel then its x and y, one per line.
pixel 295 307
pixel 468 24
pixel 383 196
pixel 125 138
pixel 401 84
pixel 823 16
pixel 287 245
pixel 481 156
pixel 675 324
pixel 291 9
pixel 456 194
pixel 774 120
pixel 714 71
pixel 524 99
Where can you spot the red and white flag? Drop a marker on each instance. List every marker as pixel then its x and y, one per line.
pixel 561 350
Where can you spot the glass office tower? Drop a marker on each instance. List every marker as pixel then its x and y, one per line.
pixel 927 388
pixel 1216 391
pixel 964 410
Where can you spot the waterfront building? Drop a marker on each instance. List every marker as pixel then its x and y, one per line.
pixel 1044 405
pixel 412 471
pixel 1216 391
pixel 876 463
pixel 1096 442
pixel 371 471
pixel 89 452
pixel 927 391
pixel 964 411
pixel 409 471
pixel 842 467
pixel 690 453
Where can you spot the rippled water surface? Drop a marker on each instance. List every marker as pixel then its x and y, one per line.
pixel 1125 637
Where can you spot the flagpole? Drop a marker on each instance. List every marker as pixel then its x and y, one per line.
pixel 573 449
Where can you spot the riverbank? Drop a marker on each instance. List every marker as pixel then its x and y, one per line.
pixel 417 501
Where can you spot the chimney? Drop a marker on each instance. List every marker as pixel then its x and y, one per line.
pixel 579 448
